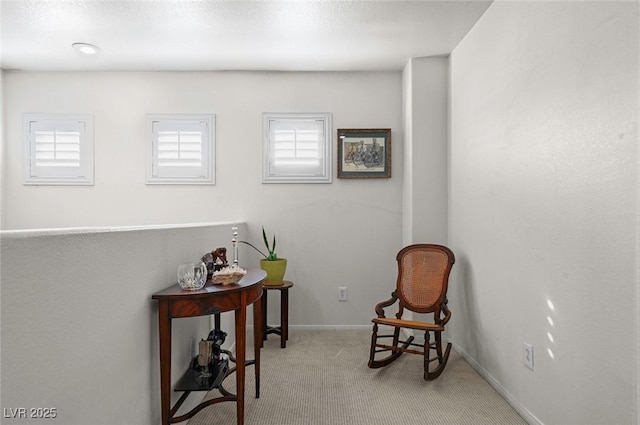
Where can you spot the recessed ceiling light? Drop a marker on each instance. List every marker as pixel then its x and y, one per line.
pixel 86 48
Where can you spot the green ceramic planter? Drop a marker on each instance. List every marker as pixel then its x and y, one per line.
pixel 275 271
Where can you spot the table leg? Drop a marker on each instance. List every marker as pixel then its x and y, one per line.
pixel 216 316
pixel 257 340
pixel 263 301
pixel 284 317
pixel 164 325
pixel 241 359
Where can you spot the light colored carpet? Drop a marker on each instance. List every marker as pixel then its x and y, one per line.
pixel 322 378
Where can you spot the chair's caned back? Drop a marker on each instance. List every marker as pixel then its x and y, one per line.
pixel 423 276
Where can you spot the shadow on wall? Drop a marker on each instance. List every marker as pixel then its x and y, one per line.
pixel 467 304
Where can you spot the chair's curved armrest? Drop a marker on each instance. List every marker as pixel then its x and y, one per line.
pixel 447 316
pixel 380 306
pixel 446 311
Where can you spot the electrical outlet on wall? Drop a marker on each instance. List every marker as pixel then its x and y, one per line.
pixel 528 355
pixel 342 293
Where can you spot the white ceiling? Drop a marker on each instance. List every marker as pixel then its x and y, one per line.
pixel 230 35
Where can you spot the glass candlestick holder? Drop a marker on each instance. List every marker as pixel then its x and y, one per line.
pixel 234 241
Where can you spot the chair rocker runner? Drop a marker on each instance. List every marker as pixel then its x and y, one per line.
pixel 421 287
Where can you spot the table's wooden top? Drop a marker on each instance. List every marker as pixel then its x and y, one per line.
pixel 253 277
pixel 284 285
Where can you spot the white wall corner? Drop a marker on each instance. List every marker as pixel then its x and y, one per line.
pixel 426 123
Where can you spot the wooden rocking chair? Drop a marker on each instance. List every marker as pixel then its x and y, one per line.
pixel 423 276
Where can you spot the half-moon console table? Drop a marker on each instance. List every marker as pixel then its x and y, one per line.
pixel 173 302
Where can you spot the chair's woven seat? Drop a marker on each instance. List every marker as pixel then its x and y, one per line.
pixel 411 324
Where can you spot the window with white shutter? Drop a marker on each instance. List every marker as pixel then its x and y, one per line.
pixel 297 148
pixel 58 149
pixel 181 149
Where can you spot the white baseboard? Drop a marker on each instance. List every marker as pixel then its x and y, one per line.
pixel 328 327
pixel 522 411
pixel 321 327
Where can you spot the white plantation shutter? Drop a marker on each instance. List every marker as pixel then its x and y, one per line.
pixel 181 149
pixel 58 149
pixel 297 148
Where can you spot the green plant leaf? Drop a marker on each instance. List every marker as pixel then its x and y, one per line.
pixel 264 238
pixel 252 246
pixel 271 256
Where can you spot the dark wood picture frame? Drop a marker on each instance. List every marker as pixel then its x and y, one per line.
pixel 364 153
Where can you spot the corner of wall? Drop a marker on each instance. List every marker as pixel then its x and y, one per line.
pixel 425 119
pixel 407 123
pixel 2 147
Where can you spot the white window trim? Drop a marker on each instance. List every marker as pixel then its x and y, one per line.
pixel 208 175
pixel 270 173
pixel 59 175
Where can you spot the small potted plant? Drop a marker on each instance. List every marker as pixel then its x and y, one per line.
pixel 274 266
